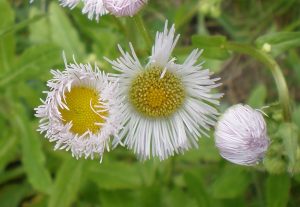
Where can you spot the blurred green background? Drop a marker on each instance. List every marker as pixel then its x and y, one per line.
pixel 32 38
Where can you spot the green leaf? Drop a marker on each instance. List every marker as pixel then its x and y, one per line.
pixel 109 29
pixel 33 61
pixel 184 13
pixel 39 31
pixel 207 151
pixel 293 62
pixel 197 189
pixel 231 183
pixel 67 183
pixel 8 139
pixel 213 46
pixel 277 190
pixel 116 175
pixel 151 196
pixel 8 148
pixel 119 198
pixel 33 158
pixel 279 41
pixel 178 198
pixel 19 26
pixel 7 43
pixel 63 33
pixel 278 38
pixel 258 96
pixel 12 195
pixel 38 201
pixel 39 58
pixel 147 171
pixel 288 132
pixel 239 202
pixel 209 41
pixel 215 53
pixel 11 174
pixel 296 116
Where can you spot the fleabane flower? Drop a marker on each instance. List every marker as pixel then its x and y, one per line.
pixel 168 105
pixel 97 8
pixel 81 111
pixel 241 135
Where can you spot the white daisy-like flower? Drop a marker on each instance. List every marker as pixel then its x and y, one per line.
pixel 97 8
pixel 168 105
pixel 82 110
pixel 241 135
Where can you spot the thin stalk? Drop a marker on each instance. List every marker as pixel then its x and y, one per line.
pixel 258 189
pixel 143 30
pixel 121 26
pixel 275 69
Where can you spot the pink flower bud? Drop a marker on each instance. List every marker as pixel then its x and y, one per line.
pixel 241 135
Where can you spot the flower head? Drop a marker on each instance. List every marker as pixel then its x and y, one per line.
pixel 241 135
pixel 81 111
pixel 97 8
pixel 168 105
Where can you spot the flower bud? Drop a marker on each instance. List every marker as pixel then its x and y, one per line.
pixel 241 135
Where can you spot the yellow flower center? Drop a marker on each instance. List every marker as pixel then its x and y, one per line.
pixel 79 101
pixel 154 96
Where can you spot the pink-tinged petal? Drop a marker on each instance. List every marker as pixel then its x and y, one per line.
pixel 124 7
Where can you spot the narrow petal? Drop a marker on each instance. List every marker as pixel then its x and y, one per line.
pixel 94 9
pixel 124 7
pixel 165 43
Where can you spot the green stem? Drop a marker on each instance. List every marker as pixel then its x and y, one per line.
pixel 120 25
pixel 275 69
pixel 257 185
pixel 143 30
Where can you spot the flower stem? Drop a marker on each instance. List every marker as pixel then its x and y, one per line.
pixel 143 30
pixel 275 69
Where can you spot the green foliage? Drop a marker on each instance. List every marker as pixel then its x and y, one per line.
pixel 258 96
pixel 110 177
pixel 235 177
pixel 7 42
pixel 280 41
pixel 8 148
pixel 197 189
pixel 289 134
pixel 12 195
pixel 213 46
pixel 33 61
pixel 63 33
pixel 32 156
pixel 277 190
pixel 32 39
pixel 67 183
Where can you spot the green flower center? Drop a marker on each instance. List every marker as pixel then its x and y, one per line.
pixel 154 96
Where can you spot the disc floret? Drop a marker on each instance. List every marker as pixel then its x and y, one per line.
pixel 84 110
pixel 155 94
